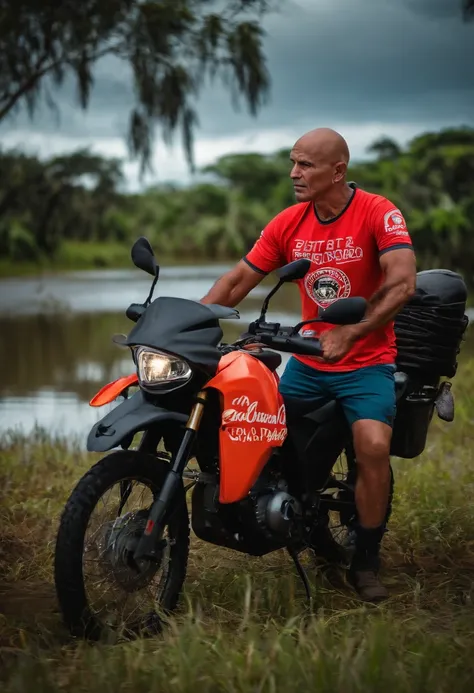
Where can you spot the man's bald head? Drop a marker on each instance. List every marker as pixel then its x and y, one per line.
pixel 325 143
pixel 320 159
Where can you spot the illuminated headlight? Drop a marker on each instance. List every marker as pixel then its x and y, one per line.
pixel 157 370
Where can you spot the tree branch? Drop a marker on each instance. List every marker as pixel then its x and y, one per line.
pixel 41 72
pixel 26 86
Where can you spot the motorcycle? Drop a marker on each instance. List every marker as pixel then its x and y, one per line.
pixel 263 471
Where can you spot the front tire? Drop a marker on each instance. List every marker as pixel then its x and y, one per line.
pixel 122 468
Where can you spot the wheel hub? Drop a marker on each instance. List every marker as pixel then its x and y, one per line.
pixel 120 540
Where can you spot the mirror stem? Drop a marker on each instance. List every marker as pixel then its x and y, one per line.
pixel 299 325
pixel 147 302
pixel 267 300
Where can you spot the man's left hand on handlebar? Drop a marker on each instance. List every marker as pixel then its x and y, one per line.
pixel 337 342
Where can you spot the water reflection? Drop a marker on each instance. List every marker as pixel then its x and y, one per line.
pixel 56 349
pixel 100 291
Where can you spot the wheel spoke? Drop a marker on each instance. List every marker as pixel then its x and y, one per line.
pixel 116 592
pixel 98 583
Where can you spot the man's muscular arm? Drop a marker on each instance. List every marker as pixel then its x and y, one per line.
pixel 399 268
pixel 233 286
pixel 264 257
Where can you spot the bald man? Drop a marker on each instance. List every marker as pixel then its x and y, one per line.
pixel 358 245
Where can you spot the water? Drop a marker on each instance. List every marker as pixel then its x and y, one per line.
pixel 56 349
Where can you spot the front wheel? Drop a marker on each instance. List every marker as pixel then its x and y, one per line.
pixel 99 586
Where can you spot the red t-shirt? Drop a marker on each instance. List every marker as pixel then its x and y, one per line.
pixel 344 253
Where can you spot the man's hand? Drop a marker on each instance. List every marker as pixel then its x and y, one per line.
pixel 337 342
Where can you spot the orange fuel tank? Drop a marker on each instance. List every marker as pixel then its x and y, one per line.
pixel 253 422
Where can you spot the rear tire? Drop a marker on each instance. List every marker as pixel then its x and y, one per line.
pixel 336 528
pixel 148 469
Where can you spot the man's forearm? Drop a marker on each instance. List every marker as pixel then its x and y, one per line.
pixel 383 307
pixel 225 292
pixel 233 286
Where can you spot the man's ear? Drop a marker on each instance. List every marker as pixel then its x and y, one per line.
pixel 340 171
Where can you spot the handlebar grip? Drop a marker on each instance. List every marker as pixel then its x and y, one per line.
pixel 308 346
pixel 295 345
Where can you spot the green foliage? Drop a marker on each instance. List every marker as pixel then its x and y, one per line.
pixel 169 46
pixel 45 203
pixel 78 199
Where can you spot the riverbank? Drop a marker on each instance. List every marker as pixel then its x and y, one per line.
pixel 242 624
pixel 77 256
pixel 73 256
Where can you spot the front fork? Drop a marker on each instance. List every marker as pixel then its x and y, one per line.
pixel 147 545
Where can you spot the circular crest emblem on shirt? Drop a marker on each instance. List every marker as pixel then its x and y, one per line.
pixel 326 285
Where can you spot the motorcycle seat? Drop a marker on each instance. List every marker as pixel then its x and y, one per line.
pixel 271 359
pixel 320 414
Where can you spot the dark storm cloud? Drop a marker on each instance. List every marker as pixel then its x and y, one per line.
pixel 351 61
pixel 434 8
pixel 370 59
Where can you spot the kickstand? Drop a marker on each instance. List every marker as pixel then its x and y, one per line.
pixel 301 573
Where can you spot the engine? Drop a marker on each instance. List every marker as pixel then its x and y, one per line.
pixel 262 522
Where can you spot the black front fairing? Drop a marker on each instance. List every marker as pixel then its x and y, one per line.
pixel 183 327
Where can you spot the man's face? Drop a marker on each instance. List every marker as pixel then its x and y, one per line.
pixel 312 174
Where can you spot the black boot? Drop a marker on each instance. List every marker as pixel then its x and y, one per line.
pixel 365 565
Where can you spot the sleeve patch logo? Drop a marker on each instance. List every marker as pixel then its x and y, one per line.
pixel 394 222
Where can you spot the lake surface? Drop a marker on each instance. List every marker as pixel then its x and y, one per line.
pixel 55 338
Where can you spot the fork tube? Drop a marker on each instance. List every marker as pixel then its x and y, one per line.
pixel 147 545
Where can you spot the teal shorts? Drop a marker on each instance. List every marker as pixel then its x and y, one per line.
pixel 366 393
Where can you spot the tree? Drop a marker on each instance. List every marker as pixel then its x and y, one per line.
pixel 253 174
pixel 468 8
pixel 385 148
pixel 171 46
pixel 44 203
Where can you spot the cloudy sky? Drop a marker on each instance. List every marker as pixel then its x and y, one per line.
pixel 363 67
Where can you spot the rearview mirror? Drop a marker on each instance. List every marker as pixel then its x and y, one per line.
pixel 143 256
pixel 294 270
pixel 345 311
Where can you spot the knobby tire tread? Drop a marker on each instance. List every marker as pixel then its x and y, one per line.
pixel 68 573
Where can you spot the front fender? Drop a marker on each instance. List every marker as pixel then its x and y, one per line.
pixel 133 415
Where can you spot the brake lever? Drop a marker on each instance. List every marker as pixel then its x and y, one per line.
pixel 243 341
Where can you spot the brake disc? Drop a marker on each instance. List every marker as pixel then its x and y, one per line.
pixel 120 540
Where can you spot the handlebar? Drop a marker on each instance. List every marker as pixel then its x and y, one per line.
pixel 283 338
pixel 297 345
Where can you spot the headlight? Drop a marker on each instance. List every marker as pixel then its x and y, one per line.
pixel 160 371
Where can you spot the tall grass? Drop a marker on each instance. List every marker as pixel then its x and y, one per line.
pixel 243 624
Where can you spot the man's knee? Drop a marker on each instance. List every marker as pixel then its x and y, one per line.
pixel 372 441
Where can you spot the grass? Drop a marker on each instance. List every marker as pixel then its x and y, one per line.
pixel 243 623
